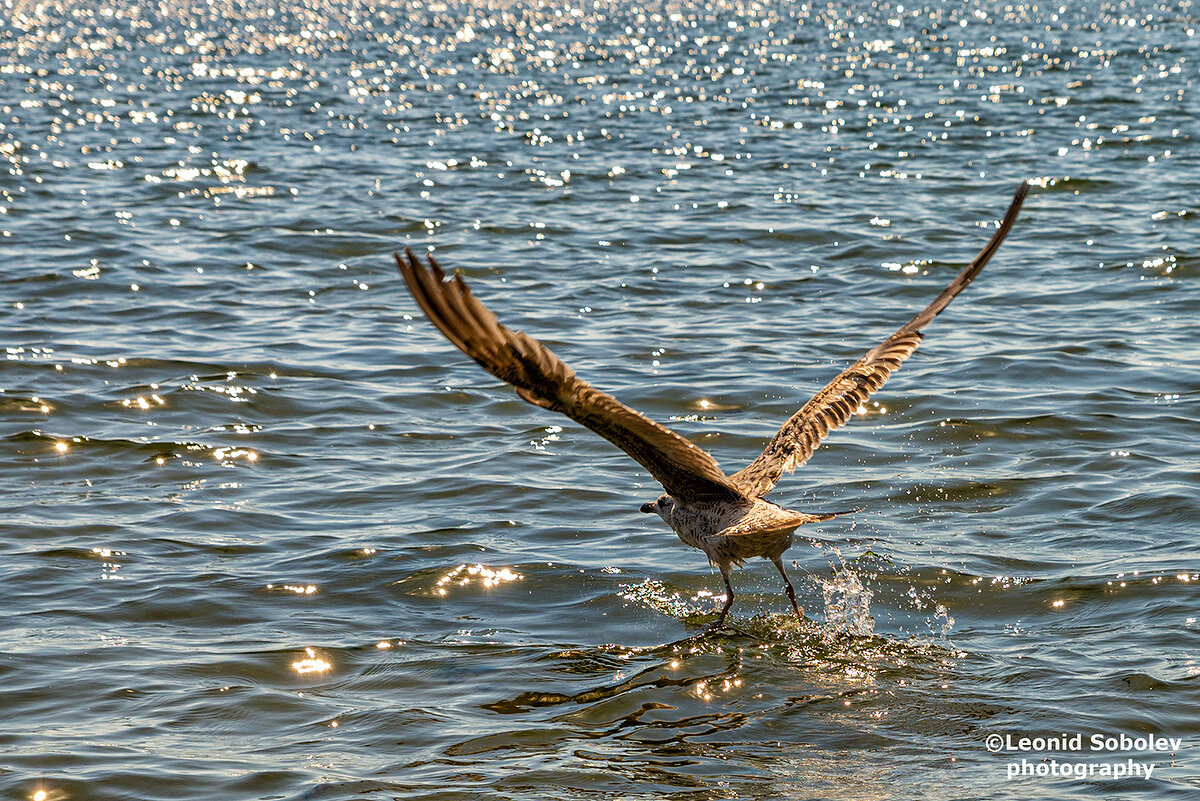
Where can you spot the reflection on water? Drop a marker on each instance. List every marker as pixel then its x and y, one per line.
pixel 312 663
pixel 463 575
pixel 779 705
pixel 655 595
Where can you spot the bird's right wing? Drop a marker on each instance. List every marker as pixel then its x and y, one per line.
pixel 796 440
pixel 686 471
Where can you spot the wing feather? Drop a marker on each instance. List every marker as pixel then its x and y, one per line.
pixel 686 471
pixel 830 408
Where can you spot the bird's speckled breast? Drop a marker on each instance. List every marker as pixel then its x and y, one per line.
pixel 759 529
pixel 694 522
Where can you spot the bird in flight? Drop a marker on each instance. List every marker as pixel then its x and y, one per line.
pixel 726 516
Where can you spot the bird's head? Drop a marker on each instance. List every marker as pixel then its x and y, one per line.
pixel 661 507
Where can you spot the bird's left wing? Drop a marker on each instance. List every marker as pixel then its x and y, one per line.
pixel 686 471
pixel 832 406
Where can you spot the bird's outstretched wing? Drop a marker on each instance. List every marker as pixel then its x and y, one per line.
pixel 832 406
pixel 686 471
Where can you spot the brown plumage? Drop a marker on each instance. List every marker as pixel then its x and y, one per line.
pixel 724 516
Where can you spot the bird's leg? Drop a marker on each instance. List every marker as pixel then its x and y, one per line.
pixel 728 602
pixel 791 592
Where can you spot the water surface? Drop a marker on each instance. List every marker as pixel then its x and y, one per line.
pixel 268 535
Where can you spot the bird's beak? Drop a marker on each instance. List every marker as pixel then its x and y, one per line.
pixel 647 508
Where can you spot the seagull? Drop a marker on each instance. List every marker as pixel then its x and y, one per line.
pixel 726 516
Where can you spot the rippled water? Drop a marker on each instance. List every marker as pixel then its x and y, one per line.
pixel 268 535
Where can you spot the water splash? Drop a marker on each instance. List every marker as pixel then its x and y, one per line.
pixel 655 595
pixel 941 623
pixel 847 604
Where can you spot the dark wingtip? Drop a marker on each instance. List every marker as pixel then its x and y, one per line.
pixel 1019 196
pixel 1010 215
pixel 414 264
pixel 408 261
pixel 436 268
pixel 831 515
pixel 968 274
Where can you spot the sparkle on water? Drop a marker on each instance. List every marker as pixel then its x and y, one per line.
pixel 464 575
pixel 312 663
